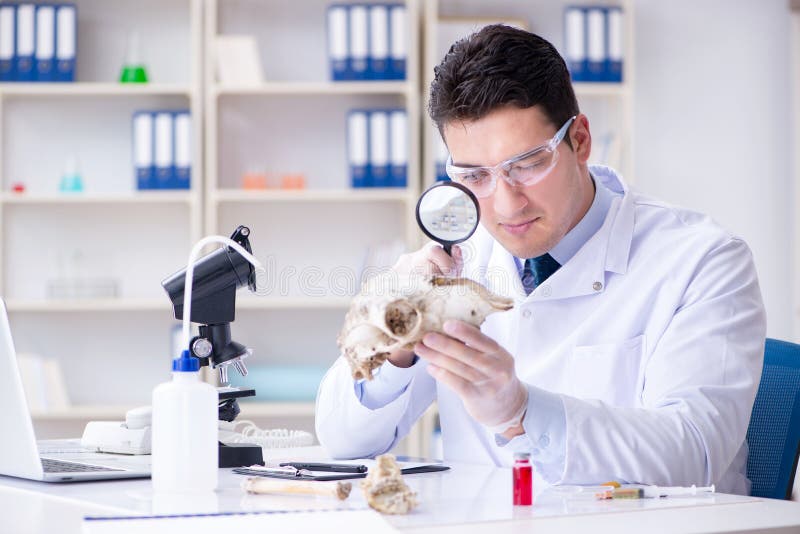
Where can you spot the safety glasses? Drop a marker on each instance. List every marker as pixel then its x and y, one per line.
pixel 522 170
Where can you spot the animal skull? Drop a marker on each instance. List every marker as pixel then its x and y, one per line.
pixel 394 312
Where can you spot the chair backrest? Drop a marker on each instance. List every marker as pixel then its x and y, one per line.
pixel 774 432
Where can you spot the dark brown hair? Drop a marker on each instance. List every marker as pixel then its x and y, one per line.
pixel 498 66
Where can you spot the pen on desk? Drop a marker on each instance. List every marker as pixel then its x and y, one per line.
pixel 335 468
pixel 283 470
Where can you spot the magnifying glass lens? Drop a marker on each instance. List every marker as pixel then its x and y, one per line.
pixel 448 213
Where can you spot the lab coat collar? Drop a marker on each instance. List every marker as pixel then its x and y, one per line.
pixel 585 273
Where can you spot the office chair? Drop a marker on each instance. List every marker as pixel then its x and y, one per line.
pixel 774 432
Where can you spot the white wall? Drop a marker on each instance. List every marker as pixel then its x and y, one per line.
pixel 713 125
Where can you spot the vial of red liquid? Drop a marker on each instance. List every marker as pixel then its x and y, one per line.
pixel 522 473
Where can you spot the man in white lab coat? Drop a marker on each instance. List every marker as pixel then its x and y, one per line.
pixel 635 347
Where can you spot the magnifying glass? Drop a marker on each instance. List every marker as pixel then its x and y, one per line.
pixel 448 213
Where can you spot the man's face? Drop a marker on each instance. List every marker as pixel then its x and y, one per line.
pixel 527 220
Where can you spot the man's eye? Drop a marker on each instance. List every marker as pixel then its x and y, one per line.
pixel 530 165
pixel 476 177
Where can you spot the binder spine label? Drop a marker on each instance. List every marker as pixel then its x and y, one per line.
pixel 66 32
pixel 7 43
pixel 359 41
pixel 379 148
pixel 26 27
pixel 574 31
pixel 337 42
pixel 615 44
pixel 596 41
pixel 398 49
pixel 164 149
pixel 358 148
pixel 45 42
pixel 143 150
pixel 378 42
pixel 183 150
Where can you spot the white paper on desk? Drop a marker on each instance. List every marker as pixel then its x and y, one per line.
pixel 322 521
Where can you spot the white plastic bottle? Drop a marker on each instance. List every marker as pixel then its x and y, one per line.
pixel 185 453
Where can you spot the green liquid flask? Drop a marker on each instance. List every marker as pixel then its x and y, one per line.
pixel 133 74
pixel 133 70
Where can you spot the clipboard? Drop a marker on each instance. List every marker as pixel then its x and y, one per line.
pixel 432 468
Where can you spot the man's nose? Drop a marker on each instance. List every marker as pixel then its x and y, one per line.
pixel 508 199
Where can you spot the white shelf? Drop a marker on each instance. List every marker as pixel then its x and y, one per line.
pixel 293 303
pixel 304 195
pixel 96 412
pixel 602 89
pixel 315 88
pixel 148 197
pixel 117 413
pixel 89 305
pixel 276 409
pixel 93 89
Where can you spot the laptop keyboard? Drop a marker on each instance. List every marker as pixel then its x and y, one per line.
pixel 60 466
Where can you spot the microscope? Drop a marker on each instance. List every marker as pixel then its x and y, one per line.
pixel 217 276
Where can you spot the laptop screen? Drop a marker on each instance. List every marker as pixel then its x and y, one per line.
pixel 19 455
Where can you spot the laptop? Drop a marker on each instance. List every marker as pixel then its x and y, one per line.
pixel 19 452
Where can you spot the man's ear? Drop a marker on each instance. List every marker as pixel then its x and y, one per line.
pixel 581 138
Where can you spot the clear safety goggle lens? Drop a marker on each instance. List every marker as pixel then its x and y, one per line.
pixel 523 170
pixel 482 181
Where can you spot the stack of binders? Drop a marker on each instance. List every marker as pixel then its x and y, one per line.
pixel 377 147
pixel 367 41
pixel 162 149
pixel 593 38
pixel 37 42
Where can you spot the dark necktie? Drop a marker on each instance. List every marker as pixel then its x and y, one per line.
pixel 537 270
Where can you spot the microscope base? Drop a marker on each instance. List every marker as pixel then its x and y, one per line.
pixel 240 455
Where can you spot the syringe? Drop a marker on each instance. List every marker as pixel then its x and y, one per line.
pixel 669 491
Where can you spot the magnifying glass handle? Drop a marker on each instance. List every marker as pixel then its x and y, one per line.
pixel 448 248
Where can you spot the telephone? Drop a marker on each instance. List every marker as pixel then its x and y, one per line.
pixel 129 437
pixel 133 435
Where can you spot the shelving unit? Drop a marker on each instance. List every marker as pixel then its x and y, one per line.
pixel 85 305
pixel 30 90
pixel 317 230
pixel 142 198
pixel 316 88
pixel 320 195
pixel 135 237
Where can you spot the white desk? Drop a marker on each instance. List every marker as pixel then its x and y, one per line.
pixel 465 499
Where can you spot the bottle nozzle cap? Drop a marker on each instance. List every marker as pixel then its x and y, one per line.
pixel 186 363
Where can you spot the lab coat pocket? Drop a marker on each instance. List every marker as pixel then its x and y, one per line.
pixel 608 372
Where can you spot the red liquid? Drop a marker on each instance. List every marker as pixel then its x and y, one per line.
pixel 523 483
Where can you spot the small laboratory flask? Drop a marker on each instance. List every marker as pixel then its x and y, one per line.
pixel 522 473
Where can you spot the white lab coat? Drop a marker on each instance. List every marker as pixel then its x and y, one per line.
pixel 652 335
